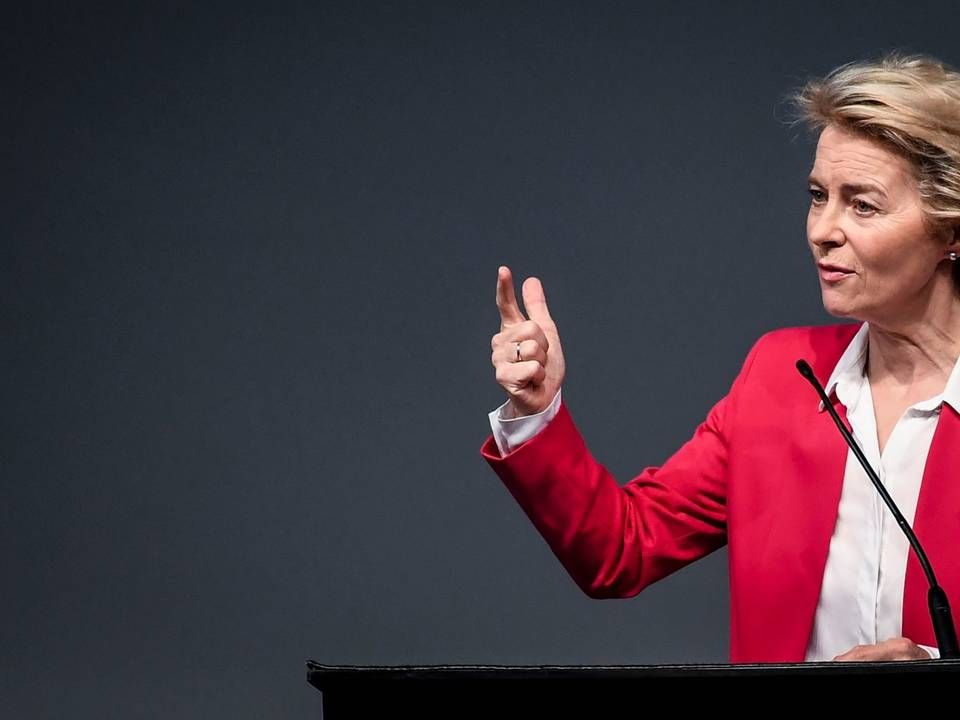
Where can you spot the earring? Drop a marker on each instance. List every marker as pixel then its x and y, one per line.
pixel 952 256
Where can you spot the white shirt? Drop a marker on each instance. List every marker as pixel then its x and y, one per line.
pixel 861 598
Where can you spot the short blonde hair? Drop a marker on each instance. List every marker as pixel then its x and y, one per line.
pixel 911 103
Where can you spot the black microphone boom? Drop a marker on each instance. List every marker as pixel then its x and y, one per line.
pixel 936 597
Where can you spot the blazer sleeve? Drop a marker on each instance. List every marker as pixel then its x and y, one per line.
pixel 614 541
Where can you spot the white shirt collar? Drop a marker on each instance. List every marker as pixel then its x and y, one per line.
pixel 850 373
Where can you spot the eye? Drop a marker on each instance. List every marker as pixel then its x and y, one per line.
pixel 817 196
pixel 863 208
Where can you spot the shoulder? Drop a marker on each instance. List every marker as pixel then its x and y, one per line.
pixel 810 337
pixel 777 351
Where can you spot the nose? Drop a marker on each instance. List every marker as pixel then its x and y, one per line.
pixel 824 227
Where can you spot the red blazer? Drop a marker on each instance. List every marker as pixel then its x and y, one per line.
pixel 763 474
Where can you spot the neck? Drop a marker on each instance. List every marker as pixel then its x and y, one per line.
pixel 919 345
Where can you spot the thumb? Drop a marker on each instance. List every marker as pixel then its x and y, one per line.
pixel 535 302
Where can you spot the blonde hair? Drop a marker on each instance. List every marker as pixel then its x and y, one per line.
pixel 910 103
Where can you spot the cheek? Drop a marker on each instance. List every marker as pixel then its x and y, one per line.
pixel 891 259
pixel 885 272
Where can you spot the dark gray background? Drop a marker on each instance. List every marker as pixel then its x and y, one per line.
pixel 248 270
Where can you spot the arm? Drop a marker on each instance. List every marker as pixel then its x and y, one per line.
pixel 613 540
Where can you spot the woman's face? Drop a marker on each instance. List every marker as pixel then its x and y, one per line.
pixel 877 259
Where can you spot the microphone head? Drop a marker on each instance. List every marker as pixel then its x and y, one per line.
pixel 805 369
pixel 807 372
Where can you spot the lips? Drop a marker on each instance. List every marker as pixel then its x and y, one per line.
pixel 834 273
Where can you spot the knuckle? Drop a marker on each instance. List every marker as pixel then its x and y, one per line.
pixel 527 371
pixel 537 350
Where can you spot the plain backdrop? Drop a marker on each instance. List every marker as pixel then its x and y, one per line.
pixel 249 256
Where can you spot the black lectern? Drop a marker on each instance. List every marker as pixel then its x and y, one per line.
pixel 497 691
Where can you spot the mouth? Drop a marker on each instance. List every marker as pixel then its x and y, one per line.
pixel 834 273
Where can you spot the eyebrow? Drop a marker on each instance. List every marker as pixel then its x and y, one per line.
pixel 853 188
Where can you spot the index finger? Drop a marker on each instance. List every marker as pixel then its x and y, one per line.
pixel 507 300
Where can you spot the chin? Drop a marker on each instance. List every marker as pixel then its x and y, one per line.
pixel 839 309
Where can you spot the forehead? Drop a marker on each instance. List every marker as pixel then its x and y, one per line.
pixel 845 156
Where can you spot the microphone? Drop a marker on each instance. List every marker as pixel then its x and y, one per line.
pixel 936 597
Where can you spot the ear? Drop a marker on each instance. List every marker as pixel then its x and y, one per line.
pixel 953 239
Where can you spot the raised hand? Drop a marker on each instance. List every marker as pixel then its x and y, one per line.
pixel 526 352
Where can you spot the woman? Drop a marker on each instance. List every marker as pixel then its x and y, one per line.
pixel 819 570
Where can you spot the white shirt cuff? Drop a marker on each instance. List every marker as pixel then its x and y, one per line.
pixel 511 432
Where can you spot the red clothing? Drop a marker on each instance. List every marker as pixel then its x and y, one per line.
pixel 763 473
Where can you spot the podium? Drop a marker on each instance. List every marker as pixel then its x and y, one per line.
pixel 503 691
